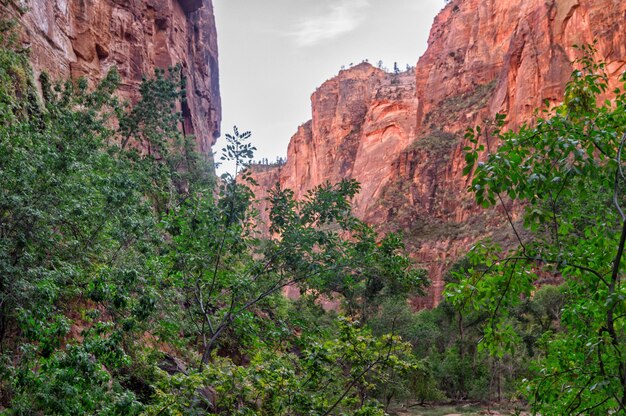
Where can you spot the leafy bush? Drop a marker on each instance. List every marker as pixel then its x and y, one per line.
pixel 131 282
pixel 567 170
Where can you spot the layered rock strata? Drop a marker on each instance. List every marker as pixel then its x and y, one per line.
pixel 401 136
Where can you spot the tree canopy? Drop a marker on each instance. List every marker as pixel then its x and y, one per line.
pixel 564 174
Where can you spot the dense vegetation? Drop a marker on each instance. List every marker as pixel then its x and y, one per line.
pixel 567 171
pixel 132 281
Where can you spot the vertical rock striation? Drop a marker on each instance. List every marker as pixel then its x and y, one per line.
pixel 86 38
pixel 362 119
pixel 401 136
pixel 524 46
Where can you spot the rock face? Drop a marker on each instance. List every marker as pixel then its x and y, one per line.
pixel 74 38
pixel 361 119
pixel 401 136
pixel 524 46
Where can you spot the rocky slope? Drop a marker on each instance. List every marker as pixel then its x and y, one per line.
pixel 74 38
pixel 401 135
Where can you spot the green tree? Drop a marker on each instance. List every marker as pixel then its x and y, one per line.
pixel 77 226
pixel 333 376
pixel 226 272
pixel 119 254
pixel 567 171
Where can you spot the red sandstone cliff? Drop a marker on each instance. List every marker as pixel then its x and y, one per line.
pixel 74 38
pixel 401 136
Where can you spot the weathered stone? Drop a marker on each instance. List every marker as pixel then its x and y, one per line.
pixel 80 38
pixel 402 138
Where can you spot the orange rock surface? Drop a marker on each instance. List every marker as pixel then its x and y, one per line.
pixel 401 136
pixel 74 38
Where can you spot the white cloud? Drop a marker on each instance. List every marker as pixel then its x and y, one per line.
pixel 341 17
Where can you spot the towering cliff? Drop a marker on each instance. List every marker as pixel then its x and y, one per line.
pixel 74 38
pixel 401 136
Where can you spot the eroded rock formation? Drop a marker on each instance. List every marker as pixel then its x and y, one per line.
pixel 401 136
pixel 74 38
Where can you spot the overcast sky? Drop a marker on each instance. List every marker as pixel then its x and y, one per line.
pixel 275 53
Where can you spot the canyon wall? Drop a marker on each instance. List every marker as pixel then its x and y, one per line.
pixel 401 135
pixel 76 38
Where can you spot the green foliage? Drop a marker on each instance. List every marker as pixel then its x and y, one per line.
pixel 70 382
pixel 331 376
pixel 116 245
pixel 566 169
pixel 446 341
pixel 78 230
pixel 228 277
pixel 438 143
pixel 362 268
pixel 448 111
pixel 152 126
pixel 17 95
pixel 420 384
